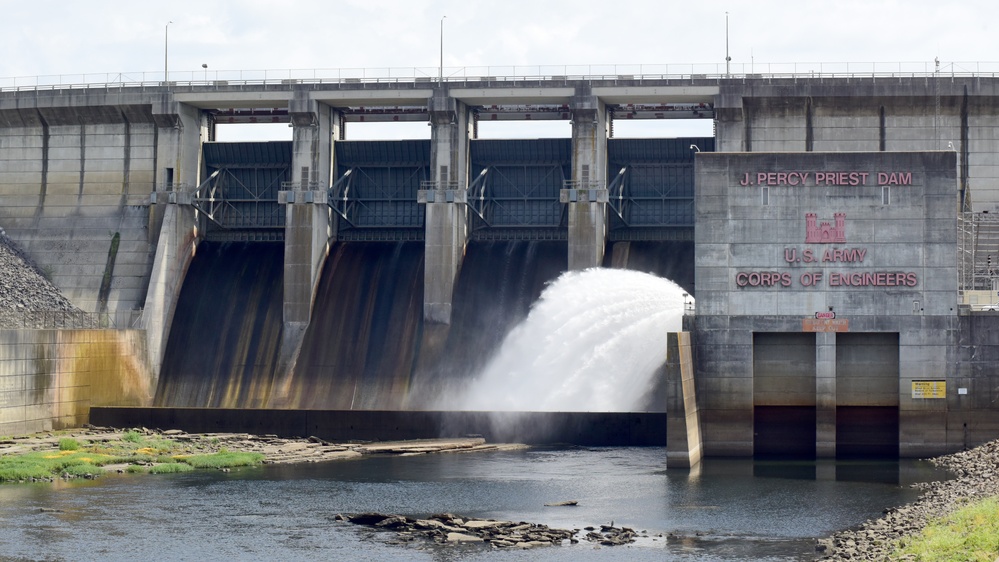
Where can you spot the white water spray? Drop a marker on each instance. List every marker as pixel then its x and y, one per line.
pixel 591 343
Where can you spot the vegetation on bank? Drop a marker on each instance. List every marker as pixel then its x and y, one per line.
pixel 968 534
pixel 133 452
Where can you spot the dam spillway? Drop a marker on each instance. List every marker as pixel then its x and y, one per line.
pixel 113 188
pixel 367 347
pixel 227 328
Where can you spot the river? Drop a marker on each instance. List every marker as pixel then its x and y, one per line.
pixel 730 509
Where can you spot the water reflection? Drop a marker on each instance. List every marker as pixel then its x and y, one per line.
pixel 728 509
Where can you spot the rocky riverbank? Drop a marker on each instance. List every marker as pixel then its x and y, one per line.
pixel 976 477
pixel 276 450
pixel 24 288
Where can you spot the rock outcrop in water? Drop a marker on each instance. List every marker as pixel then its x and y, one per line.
pixel 977 478
pixel 446 528
pixel 23 287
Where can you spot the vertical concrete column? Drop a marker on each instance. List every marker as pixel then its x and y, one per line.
pixel 445 199
pixel 307 216
pixel 732 131
pixel 311 147
pixel 586 196
pixel 683 424
pixel 825 395
pixel 178 241
pixel 180 130
pixel 173 222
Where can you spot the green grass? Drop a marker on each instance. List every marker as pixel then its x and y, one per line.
pixel 13 472
pixel 83 469
pixel 131 437
pixel 969 534
pixel 79 458
pixel 49 464
pixel 170 468
pixel 223 459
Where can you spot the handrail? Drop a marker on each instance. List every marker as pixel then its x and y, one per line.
pixel 428 76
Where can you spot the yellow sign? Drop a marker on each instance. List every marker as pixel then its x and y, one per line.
pixel 929 389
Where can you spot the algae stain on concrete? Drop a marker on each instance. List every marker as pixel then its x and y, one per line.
pixel 105 291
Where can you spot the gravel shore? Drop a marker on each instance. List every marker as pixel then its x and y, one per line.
pixel 976 477
pixel 24 288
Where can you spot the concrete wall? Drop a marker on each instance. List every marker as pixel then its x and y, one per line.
pixel 579 428
pixel 66 190
pixel 754 268
pixel 920 113
pixel 973 416
pixel 49 379
pixel 77 168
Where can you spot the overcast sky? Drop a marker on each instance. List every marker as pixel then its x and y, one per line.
pixel 48 37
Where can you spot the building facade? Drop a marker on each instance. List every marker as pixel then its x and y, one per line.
pixel 827 313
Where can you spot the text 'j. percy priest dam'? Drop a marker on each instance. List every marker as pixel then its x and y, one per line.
pixel 839 233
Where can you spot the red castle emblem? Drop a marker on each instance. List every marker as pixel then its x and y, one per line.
pixel 824 232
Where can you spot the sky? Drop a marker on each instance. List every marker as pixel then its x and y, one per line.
pixel 49 38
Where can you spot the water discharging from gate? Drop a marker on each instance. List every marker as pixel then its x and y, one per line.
pixel 593 342
pixel 368 347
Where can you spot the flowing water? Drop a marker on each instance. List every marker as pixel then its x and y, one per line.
pixel 592 343
pixel 726 510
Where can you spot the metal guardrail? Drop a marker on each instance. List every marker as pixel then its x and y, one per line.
pixel 429 75
pixel 71 320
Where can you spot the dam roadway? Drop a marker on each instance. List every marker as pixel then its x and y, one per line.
pixel 110 187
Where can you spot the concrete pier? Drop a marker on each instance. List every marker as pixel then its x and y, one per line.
pixel 683 421
pixel 586 197
pixel 177 243
pixel 308 220
pixel 444 200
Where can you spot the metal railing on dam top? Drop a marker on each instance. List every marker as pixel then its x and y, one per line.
pixel 546 73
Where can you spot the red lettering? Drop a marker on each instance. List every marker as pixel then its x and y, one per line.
pixel 762 279
pixel 875 279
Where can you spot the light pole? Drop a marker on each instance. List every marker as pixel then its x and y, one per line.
pixel 441 68
pixel 166 50
pixel 205 66
pixel 728 59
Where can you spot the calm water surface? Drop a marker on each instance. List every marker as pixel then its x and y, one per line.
pixel 728 510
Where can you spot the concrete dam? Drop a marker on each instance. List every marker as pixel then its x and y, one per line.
pixel 835 231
